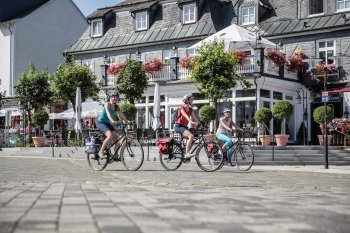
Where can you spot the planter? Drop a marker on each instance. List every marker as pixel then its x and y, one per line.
pixel 210 137
pixel 281 139
pixel 39 141
pixel 329 139
pixel 265 140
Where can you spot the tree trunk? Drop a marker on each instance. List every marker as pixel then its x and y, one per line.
pixel 29 129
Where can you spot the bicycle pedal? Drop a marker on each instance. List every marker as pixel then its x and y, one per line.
pixel 117 159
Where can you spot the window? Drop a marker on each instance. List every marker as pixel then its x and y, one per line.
pixel 326 49
pixel 245 113
pixel 87 63
pixel 191 52
pixel 248 15
pixel 167 54
pixel 264 93
pixel 277 95
pixel 96 28
pixel 189 13
pixel 343 5
pixel 141 21
pixel 245 93
pixel 315 7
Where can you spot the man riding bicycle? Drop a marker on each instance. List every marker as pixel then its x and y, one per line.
pixel 185 113
pixel 105 121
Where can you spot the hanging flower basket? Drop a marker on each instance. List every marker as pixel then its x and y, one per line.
pixel 276 57
pixel 187 62
pixel 153 65
pixel 329 68
pixel 240 56
pixel 340 124
pixel 114 69
pixel 295 63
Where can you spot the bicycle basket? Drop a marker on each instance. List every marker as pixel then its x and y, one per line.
pixel 164 145
pixel 92 145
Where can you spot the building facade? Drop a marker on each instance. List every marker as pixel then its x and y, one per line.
pixel 166 29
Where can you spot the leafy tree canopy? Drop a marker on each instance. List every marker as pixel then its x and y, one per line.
pixel 131 80
pixel 214 71
pixel 207 113
pixel 70 75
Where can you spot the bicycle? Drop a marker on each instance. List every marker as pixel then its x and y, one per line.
pixel 131 153
pixel 243 155
pixel 208 154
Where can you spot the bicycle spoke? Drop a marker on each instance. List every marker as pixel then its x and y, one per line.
pixel 209 156
pixel 173 160
pixel 132 155
pixel 96 163
pixel 244 157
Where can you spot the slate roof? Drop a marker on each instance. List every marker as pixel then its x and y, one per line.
pixel 143 6
pixel 286 27
pixel 10 9
pixel 99 13
pixel 136 39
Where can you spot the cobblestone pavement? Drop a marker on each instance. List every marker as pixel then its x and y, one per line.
pixel 42 194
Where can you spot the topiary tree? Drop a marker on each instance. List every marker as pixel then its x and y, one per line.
pixel 207 113
pixel 40 118
pixel 70 75
pixel 282 109
pixel 33 92
pixel 263 115
pixel 132 80
pixel 129 111
pixel 318 115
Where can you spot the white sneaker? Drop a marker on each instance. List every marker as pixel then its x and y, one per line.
pixel 102 155
pixel 188 156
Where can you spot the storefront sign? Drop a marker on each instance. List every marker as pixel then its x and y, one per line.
pixel 327 99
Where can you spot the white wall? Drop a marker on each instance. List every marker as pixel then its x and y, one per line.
pixel 5 38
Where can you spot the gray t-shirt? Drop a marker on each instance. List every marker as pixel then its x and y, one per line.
pixel 227 122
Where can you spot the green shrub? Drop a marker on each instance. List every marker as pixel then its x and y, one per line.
pixel 129 111
pixel 40 118
pixel 318 114
pixel 207 113
pixel 263 115
pixel 282 109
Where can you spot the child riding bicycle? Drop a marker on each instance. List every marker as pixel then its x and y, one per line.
pixel 105 121
pixel 225 127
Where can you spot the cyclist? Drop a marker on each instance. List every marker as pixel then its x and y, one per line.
pixel 185 113
pixel 225 126
pixel 105 121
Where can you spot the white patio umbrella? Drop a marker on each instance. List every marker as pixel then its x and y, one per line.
pixel 234 33
pixel 156 107
pixel 78 110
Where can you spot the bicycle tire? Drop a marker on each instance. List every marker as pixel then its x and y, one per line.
pixel 132 154
pixel 244 157
pixel 209 161
pixel 96 163
pixel 173 160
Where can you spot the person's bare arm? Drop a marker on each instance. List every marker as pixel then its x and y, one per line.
pixel 236 126
pixel 194 117
pixel 121 114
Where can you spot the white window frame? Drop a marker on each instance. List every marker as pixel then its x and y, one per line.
pixel 88 63
pixel 326 48
pixel 344 2
pixel 317 14
pixel 93 27
pixel 142 18
pixel 248 16
pixel 186 11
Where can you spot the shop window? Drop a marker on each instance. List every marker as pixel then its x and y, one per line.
pixel 245 93
pixel 277 95
pixel 245 113
pixel 150 99
pixel 265 93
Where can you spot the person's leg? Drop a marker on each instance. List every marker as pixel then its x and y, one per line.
pixel 227 143
pixel 187 134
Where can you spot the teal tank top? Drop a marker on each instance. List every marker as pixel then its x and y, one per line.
pixel 103 116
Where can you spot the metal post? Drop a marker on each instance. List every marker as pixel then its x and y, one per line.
pixel 306 119
pixel 24 127
pixel 325 138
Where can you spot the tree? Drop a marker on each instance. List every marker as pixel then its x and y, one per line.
pixel 132 80
pixel 70 75
pixel 33 91
pixel 214 71
pixel 2 96
pixel 40 118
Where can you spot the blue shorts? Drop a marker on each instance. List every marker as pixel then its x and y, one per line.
pixel 104 127
pixel 180 128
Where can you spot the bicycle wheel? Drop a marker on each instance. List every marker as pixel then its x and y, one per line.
pixel 244 157
pixel 210 156
pixel 173 160
pixel 132 155
pixel 96 163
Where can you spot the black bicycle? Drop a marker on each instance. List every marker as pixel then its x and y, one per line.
pixel 131 152
pixel 208 154
pixel 243 155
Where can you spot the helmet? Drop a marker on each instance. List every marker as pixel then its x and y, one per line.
pixel 226 110
pixel 186 97
pixel 115 94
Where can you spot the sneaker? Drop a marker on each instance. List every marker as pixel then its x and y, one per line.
pixel 102 155
pixel 188 156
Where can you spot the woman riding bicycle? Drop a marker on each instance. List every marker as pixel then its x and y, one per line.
pixel 185 113
pixel 225 127
pixel 105 121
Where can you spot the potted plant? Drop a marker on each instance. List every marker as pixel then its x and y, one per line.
pixel 264 115
pixel 152 65
pixel 282 109
pixel 207 113
pixel 187 62
pixel 318 116
pixel 277 57
pixel 40 118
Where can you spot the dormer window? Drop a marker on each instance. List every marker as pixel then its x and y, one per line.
pixel 189 14
pixel 248 15
pixel 315 7
pixel 141 20
pixel 343 5
pixel 96 28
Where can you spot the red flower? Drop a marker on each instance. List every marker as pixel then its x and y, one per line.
pixel 240 56
pixel 153 65
pixel 295 63
pixel 187 62
pixel 114 69
pixel 276 57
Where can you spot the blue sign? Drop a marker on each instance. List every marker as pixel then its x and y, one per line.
pixel 325 99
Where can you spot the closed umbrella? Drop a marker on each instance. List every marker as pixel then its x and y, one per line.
pixel 156 107
pixel 78 111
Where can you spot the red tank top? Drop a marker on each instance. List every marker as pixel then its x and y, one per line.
pixel 181 119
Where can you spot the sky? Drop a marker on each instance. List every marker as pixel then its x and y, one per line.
pixel 89 6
